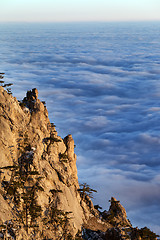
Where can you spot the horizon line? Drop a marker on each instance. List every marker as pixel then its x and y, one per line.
pixel 84 21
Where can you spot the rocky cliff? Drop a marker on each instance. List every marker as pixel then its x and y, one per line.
pixel 40 197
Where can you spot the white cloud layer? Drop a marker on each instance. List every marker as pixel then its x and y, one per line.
pixel 101 84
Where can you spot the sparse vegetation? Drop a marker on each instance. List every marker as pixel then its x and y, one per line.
pixel 57 219
pixel 97 207
pixel 85 190
pixel 51 139
pixel 7 231
pixel 44 103
pixel 22 104
pixel 53 125
pixel 22 189
pixel 146 233
pixel 5 85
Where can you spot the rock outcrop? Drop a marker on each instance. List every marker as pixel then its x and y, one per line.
pixel 118 213
pixel 40 197
pixel 26 132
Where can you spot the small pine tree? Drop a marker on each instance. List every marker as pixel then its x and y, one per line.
pixel 7 86
pixel 85 190
pixel 22 189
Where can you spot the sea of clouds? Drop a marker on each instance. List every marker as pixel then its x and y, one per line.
pixel 101 83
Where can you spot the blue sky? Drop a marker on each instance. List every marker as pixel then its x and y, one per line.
pixel 79 10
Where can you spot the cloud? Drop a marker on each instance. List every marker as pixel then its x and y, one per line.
pixel 103 88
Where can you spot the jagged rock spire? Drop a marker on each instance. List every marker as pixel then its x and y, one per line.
pixel 118 212
pixel 32 95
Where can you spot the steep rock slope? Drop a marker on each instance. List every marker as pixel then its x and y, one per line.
pixel 40 197
pixel 29 143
